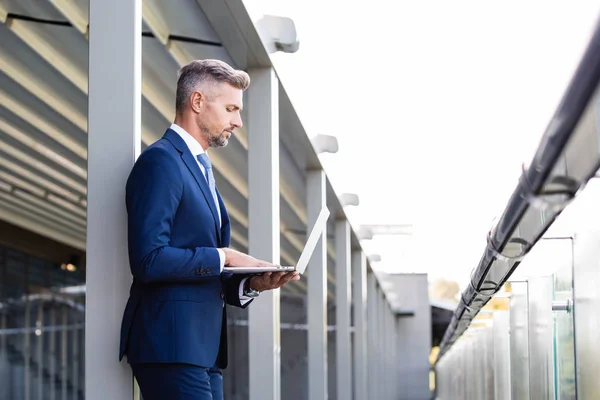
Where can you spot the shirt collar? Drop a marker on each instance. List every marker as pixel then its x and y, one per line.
pixel 191 143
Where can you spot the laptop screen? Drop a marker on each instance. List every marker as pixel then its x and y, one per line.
pixel 313 239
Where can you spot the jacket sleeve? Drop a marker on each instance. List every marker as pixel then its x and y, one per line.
pixel 153 193
pixel 231 286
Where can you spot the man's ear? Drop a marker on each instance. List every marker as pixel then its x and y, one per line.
pixel 196 100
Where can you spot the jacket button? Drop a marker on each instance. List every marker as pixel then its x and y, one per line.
pixel 222 296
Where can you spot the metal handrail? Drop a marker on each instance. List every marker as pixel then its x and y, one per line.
pixel 540 182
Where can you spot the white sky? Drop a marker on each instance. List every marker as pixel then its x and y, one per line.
pixel 435 104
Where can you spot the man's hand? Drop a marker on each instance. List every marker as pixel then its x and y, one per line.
pixel 272 280
pixel 235 258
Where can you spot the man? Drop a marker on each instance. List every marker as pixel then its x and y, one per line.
pixel 174 329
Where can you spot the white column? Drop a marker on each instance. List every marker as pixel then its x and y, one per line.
pixel 342 312
pixel 372 332
pixel 397 356
pixel 263 207
pixel 387 348
pixel 390 351
pixel 359 276
pixel 380 340
pixel 383 349
pixel 317 292
pixel 394 352
pixel 114 123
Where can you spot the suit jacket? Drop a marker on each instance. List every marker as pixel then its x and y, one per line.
pixel 176 309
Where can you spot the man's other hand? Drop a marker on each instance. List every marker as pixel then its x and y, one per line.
pixel 272 280
pixel 234 258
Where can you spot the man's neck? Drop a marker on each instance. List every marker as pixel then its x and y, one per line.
pixel 191 128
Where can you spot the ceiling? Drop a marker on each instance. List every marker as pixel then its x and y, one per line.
pixel 43 120
pixel 43 116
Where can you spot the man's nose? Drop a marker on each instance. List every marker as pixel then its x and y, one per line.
pixel 237 122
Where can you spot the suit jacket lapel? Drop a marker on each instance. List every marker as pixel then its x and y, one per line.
pixel 225 223
pixel 192 165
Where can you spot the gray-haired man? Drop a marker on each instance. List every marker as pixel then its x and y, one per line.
pixel 174 329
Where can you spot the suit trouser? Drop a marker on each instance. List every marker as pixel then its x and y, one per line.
pixel 178 382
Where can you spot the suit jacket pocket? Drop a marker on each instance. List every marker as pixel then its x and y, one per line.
pixel 206 292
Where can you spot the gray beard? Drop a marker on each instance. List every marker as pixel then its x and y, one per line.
pixel 217 141
pixel 214 140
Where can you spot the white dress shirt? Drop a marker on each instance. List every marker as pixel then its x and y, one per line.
pixel 196 150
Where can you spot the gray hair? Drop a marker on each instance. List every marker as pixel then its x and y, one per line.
pixel 198 72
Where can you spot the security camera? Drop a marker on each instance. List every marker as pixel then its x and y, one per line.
pixel 325 144
pixel 278 34
pixel 349 199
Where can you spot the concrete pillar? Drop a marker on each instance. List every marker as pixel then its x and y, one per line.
pixel 343 302
pixel 359 277
pixel 372 333
pixel 380 340
pixel 263 206
pixel 114 124
pixel 390 352
pixel 317 292
pixel 397 356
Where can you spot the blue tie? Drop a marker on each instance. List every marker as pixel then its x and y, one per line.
pixel 205 161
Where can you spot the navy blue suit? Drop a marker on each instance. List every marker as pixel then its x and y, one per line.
pixel 176 309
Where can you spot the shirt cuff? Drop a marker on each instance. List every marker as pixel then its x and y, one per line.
pixel 243 299
pixel 222 258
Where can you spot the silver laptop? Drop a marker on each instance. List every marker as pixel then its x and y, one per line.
pixel 309 248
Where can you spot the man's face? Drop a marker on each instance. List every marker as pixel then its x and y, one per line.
pixel 220 114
